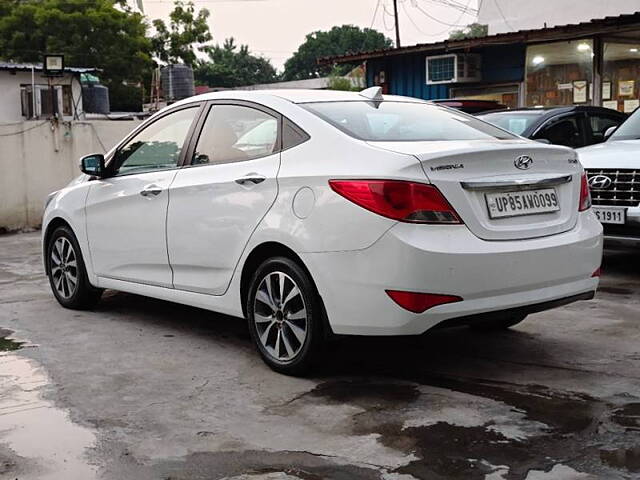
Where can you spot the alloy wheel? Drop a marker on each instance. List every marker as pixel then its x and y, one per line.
pixel 64 267
pixel 280 316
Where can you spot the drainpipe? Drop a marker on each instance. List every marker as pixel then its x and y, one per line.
pixel 33 91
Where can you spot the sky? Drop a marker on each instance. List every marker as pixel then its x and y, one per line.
pixel 275 28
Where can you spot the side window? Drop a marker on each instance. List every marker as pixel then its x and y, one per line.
pixel 234 133
pixel 563 131
pixel 292 135
pixel 158 146
pixel 600 124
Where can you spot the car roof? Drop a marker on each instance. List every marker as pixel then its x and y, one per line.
pixel 550 111
pixel 296 96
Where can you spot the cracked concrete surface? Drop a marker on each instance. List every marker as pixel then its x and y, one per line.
pixel 149 389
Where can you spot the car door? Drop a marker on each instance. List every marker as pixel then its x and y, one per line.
pixel 567 130
pixel 217 202
pixel 126 211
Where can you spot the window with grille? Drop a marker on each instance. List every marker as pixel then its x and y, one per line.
pixel 441 69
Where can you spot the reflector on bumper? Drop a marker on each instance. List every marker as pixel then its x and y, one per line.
pixel 420 302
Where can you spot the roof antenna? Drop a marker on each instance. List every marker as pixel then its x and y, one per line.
pixel 373 93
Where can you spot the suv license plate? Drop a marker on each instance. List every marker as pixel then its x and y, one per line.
pixel 522 202
pixel 614 215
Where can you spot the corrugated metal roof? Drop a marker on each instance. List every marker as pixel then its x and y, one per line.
pixel 38 67
pixel 615 24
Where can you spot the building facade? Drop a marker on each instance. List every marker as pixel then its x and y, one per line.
pixel 591 63
pixel 25 93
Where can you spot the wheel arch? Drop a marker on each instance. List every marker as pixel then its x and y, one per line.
pixel 51 227
pixel 259 254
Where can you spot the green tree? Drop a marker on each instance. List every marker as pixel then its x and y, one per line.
pixel 337 41
pixel 473 30
pixel 186 30
pixel 341 83
pixel 100 33
pixel 231 65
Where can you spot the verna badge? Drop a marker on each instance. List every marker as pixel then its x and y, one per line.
pixel 523 162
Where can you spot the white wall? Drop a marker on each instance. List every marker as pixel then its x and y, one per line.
pixel 36 159
pixel 10 81
pixel 527 14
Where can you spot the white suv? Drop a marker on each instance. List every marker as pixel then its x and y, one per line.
pixel 613 170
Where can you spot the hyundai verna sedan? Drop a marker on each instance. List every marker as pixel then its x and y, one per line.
pixel 318 213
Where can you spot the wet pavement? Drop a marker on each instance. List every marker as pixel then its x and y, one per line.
pixel 144 389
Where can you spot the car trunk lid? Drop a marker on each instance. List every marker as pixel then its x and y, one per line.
pixel 478 177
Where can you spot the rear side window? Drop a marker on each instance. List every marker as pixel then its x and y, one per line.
pixel 563 131
pixel 403 121
pixel 292 135
pixel 235 133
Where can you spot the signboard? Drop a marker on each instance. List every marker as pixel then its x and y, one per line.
pixel 580 91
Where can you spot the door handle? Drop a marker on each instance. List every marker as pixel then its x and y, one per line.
pixel 251 178
pixel 151 191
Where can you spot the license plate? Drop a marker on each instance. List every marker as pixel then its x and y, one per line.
pixel 615 215
pixel 522 202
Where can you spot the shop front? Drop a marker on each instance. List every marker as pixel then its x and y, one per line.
pixel 574 72
pixel 592 63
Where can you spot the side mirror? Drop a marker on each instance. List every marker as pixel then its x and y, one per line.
pixel 93 165
pixel 609 131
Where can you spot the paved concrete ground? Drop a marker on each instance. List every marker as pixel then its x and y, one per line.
pixel 144 389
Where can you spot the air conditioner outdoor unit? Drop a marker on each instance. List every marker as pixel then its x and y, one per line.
pixel 454 68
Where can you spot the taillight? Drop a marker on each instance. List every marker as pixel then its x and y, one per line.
pixel 404 201
pixel 420 302
pixel 585 195
pixel 597 273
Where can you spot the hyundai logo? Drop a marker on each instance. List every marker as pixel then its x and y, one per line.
pixel 523 162
pixel 600 182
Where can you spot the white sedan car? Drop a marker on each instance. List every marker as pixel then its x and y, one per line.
pixel 313 213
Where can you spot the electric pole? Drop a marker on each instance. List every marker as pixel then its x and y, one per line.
pixel 395 14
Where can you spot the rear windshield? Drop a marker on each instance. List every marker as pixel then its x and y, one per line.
pixel 403 121
pixel 514 122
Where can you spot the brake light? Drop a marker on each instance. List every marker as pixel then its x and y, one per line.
pixel 597 273
pixel 420 302
pixel 404 201
pixel 585 194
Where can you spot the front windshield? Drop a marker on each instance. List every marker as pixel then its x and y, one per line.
pixel 403 121
pixel 516 122
pixel 629 130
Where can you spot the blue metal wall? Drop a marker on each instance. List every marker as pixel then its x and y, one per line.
pixel 406 74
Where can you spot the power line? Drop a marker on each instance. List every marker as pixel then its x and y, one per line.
pixel 375 12
pixel 406 12
pixel 427 14
pixel 502 15
pixel 384 18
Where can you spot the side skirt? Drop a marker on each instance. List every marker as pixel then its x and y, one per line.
pixel 217 303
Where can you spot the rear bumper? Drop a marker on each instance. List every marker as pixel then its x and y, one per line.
pixel 490 276
pixel 515 312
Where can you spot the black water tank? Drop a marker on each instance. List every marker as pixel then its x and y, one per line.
pixel 95 98
pixel 177 82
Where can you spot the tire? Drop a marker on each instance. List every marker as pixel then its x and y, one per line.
pixel 288 334
pixel 64 264
pixel 497 324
